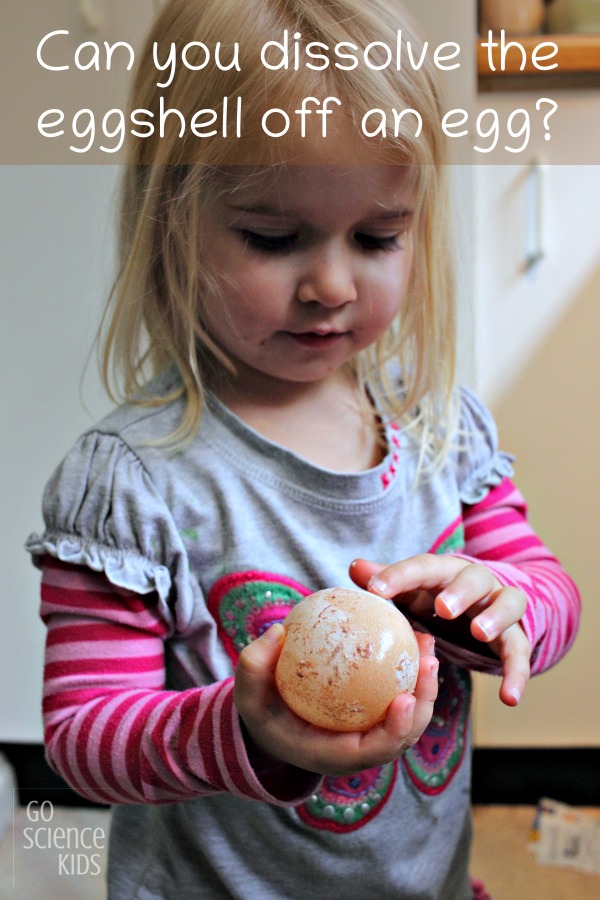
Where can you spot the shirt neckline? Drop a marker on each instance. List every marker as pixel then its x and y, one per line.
pixel 281 468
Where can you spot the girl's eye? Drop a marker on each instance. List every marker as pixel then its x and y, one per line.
pixel 270 243
pixel 386 242
pixel 286 243
pixel 371 242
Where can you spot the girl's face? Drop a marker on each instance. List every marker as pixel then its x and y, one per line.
pixel 311 263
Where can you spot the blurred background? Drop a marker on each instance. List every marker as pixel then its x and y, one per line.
pixel 528 252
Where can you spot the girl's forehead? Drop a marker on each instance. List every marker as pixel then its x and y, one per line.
pixel 280 186
pixel 343 145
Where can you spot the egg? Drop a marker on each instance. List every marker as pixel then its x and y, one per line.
pixel 347 655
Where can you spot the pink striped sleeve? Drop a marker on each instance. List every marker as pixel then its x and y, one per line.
pixel 112 730
pixel 497 533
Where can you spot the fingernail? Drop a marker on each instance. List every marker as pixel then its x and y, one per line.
pixel 409 707
pixel 451 602
pixel 275 633
pixel 488 626
pixel 516 695
pixel 434 666
pixel 377 584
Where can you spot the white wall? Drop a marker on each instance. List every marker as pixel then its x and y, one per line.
pixel 56 239
pixel 57 251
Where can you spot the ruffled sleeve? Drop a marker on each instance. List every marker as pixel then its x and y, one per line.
pixel 480 464
pixel 102 510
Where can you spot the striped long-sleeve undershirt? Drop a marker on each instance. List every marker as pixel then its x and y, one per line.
pixel 112 730
pixel 498 533
pixel 117 735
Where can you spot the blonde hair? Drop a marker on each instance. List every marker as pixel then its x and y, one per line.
pixel 154 316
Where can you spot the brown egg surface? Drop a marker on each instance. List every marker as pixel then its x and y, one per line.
pixel 347 655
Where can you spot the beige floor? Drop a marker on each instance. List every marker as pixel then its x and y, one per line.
pixel 501 858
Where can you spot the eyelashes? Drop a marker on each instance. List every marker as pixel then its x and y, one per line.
pixel 269 243
pixel 287 243
pixel 371 242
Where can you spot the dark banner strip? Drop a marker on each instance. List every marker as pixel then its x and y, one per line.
pixel 502 776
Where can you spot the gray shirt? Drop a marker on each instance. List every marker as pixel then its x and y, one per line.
pixel 230 533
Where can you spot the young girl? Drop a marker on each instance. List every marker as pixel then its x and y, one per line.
pixel 284 324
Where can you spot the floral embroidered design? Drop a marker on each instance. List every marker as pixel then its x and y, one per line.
pixel 452 538
pixel 346 803
pixel 246 604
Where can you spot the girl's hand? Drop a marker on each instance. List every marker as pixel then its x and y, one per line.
pixel 432 585
pixel 279 733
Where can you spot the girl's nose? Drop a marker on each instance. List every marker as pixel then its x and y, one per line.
pixel 329 279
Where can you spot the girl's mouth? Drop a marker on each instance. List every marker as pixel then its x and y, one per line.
pixel 317 341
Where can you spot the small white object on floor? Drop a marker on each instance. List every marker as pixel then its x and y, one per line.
pixel 566 836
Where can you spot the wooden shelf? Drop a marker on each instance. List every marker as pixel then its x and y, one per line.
pixel 578 61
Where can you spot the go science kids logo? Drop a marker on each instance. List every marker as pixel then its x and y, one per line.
pixel 76 850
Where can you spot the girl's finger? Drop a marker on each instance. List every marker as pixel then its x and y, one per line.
pixel 424 695
pixel 420 703
pixel 473 584
pixel 427 571
pixel 255 668
pixel 506 608
pixel 362 569
pixel 262 654
pixel 407 718
pixel 427 685
pixel 515 654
